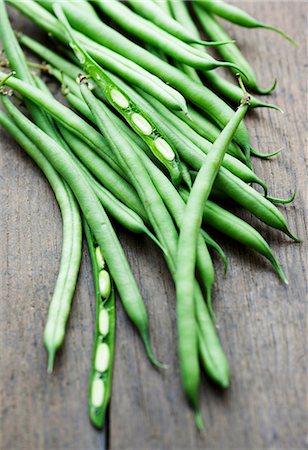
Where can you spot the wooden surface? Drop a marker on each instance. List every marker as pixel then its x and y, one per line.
pixel 262 324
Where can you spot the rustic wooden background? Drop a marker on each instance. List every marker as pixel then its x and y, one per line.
pixel 262 324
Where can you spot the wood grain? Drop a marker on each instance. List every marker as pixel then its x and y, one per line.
pixel 262 324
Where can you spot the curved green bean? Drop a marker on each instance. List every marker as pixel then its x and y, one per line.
pixel 60 304
pixel 71 249
pixel 239 17
pixel 212 28
pixel 230 91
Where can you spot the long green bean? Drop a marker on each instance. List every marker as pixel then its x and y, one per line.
pixel 71 249
pixel 212 28
pixel 238 16
pixel 104 338
pixel 190 228
pixel 60 304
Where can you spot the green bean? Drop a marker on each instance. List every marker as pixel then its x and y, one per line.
pixel 283 201
pixel 97 220
pixel 128 68
pixel 60 304
pixel 264 155
pixel 140 122
pixel 191 224
pixel 71 248
pixel 213 358
pixel 250 199
pixel 149 10
pixel 253 201
pixel 238 16
pixel 212 28
pixel 104 339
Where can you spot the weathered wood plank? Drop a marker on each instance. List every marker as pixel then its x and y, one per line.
pixel 261 323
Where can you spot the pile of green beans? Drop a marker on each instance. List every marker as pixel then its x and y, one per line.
pixel 150 140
